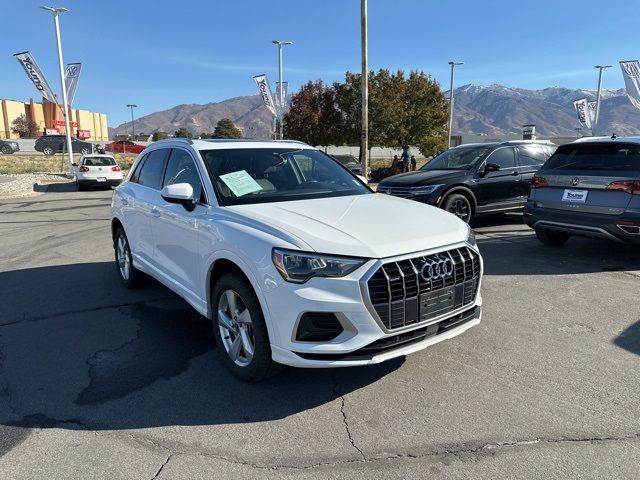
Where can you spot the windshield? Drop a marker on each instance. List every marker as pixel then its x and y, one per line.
pixel 607 156
pixel 260 175
pixel 98 161
pixel 459 158
pixel 346 159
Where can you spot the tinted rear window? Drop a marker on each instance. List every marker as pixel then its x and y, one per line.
pixel 603 156
pixel 98 161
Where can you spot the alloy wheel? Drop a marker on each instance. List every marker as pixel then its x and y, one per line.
pixel 460 209
pixel 236 328
pixel 124 262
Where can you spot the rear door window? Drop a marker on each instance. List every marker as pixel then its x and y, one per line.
pixel 153 168
pixel 593 157
pixel 529 155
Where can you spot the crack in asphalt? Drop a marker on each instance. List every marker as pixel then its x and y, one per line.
pixel 82 310
pixel 344 414
pixel 162 466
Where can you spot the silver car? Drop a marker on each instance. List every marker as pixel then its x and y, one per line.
pixel 591 188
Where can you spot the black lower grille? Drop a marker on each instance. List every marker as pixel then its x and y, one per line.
pixel 419 289
pixel 399 340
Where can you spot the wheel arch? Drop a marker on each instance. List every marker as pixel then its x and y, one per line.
pixel 462 190
pixel 115 224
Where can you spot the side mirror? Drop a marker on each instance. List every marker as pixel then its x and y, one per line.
pixel 363 179
pixel 181 193
pixel 490 167
pixel 74 164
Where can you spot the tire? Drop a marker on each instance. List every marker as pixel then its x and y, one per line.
pixel 48 151
pixel 459 205
pixel 240 329
pixel 6 149
pixel 551 237
pixel 130 276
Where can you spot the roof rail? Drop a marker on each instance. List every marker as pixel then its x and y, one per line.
pixel 175 139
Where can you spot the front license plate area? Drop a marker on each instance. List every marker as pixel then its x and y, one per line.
pixel 440 302
pixel 575 196
pixel 101 179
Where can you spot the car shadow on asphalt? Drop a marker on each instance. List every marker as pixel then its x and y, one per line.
pixel 629 338
pixel 138 361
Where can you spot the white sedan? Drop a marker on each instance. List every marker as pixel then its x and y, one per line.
pixel 98 170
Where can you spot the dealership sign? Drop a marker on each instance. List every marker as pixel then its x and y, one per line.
pixel 631 75
pixel 35 75
pixel 60 123
pixel 71 77
pixel 265 92
pixel 84 133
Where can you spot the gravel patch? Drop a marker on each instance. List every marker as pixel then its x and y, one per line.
pixel 26 184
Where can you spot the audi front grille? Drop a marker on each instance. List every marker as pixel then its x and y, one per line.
pixel 419 289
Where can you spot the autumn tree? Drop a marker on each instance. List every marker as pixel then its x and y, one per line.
pixel 25 127
pixel 313 117
pixel 225 128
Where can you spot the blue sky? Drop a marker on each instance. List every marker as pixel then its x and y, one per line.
pixel 201 51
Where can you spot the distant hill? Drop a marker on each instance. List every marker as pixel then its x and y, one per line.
pixel 492 109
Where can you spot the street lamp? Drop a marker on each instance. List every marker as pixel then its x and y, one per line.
pixel 280 44
pixel 56 11
pixel 453 66
pixel 595 123
pixel 133 126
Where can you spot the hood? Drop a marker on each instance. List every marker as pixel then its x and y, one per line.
pixel 422 177
pixel 371 226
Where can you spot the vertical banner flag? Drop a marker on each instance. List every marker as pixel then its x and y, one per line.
pixel 582 109
pixel 631 75
pixel 71 77
pixel 35 75
pixel 591 108
pixel 265 92
pixel 282 108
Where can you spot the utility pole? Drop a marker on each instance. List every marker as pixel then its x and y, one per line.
pixel 65 112
pixel 595 123
pixel 280 90
pixel 133 125
pixel 364 79
pixel 453 66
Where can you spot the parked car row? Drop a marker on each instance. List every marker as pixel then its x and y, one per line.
pixel 52 144
pixel 590 187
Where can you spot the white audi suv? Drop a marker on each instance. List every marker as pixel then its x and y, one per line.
pixel 294 259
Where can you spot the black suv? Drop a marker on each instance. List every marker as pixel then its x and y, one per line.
pixel 474 179
pixel 50 144
pixel 351 162
pixel 9 146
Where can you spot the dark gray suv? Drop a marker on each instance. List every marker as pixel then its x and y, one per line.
pixel 590 188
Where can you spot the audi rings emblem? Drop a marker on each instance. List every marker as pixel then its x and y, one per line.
pixel 436 268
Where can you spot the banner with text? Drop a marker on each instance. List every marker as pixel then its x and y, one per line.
pixel 71 77
pixel 582 109
pixel 631 75
pixel 35 75
pixel 265 92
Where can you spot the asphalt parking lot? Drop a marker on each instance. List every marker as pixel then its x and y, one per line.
pixel 100 382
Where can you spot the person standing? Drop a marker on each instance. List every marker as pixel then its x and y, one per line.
pixel 405 158
pixel 413 163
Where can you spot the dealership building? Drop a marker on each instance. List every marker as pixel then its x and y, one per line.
pixel 48 116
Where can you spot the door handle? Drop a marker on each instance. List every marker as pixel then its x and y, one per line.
pixel 155 212
pixel 515 173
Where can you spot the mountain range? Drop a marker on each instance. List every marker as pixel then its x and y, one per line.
pixel 490 109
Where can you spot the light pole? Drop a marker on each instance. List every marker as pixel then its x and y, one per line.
pixel 595 123
pixel 280 44
pixel 364 87
pixel 453 66
pixel 133 125
pixel 56 11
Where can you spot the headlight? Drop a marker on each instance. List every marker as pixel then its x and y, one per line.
pixel 424 190
pixel 298 267
pixel 471 237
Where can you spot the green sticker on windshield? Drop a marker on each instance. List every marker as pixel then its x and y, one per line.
pixel 240 183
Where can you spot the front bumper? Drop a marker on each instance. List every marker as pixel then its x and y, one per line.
pixel 365 339
pixel 583 224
